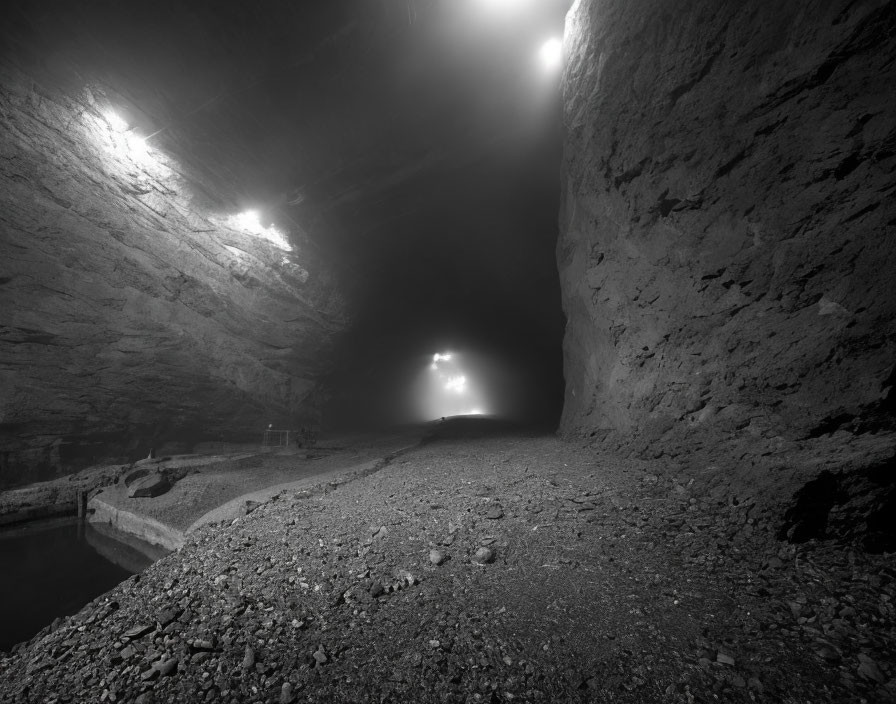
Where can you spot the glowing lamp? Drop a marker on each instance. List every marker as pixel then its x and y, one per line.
pixel 457 384
pixel 451 386
pixel 116 121
pixel 250 221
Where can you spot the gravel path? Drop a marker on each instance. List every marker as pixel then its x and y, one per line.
pixel 495 569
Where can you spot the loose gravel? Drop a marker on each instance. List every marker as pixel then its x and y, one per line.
pixel 495 569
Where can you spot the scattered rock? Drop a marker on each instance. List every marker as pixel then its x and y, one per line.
pixel 139 631
pixel 724 659
pixel 483 556
pixel 240 599
pixel 869 670
pixel 167 616
pixel 286 693
pixel 167 667
pixel 248 658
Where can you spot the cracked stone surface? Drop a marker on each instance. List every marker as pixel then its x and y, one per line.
pixel 131 312
pixel 727 228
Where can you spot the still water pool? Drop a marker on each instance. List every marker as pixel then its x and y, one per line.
pixel 53 568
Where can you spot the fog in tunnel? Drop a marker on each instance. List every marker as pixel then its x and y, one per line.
pixel 447 351
pixel 414 145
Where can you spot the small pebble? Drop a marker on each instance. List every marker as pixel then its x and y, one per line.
pixel 483 556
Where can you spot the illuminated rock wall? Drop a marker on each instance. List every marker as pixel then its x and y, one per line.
pixel 131 315
pixel 728 227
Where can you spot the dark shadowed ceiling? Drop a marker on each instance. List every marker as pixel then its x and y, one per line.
pixel 415 141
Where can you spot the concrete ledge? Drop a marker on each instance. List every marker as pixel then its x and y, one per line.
pixel 143 527
pixel 235 508
pixel 34 513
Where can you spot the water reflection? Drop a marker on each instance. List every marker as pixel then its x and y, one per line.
pixel 53 568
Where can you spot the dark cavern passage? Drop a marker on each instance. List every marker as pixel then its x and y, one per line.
pixel 436 359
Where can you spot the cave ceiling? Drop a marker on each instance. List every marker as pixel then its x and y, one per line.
pixel 380 129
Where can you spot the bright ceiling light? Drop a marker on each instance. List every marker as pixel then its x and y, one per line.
pixel 441 358
pixel 116 122
pixel 551 53
pixel 250 221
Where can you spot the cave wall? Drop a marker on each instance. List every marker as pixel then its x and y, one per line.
pixel 728 226
pixel 133 311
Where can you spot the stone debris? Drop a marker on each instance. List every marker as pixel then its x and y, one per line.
pixel 248 658
pixel 724 659
pixel 287 695
pixel 166 667
pixel 138 631
pixel 483 556
pixel 661 599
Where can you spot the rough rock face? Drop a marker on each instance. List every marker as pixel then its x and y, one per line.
pixel 728 230
pixel 131 312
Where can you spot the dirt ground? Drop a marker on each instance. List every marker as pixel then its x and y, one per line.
pixel 485 569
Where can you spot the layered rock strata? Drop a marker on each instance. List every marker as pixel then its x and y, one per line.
pixel 727 238
pixel 134 308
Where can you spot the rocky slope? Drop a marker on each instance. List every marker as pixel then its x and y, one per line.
pixel 134 309
pixel 499 569
pixel 727 231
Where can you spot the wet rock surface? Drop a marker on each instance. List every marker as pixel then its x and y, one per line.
pixel 609 580
pixel 726 241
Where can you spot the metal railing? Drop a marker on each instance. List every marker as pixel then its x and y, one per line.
pixel 276 438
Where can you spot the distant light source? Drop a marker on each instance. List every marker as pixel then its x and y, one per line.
pixel 451 387
pixel 457 384
pixel 551 53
